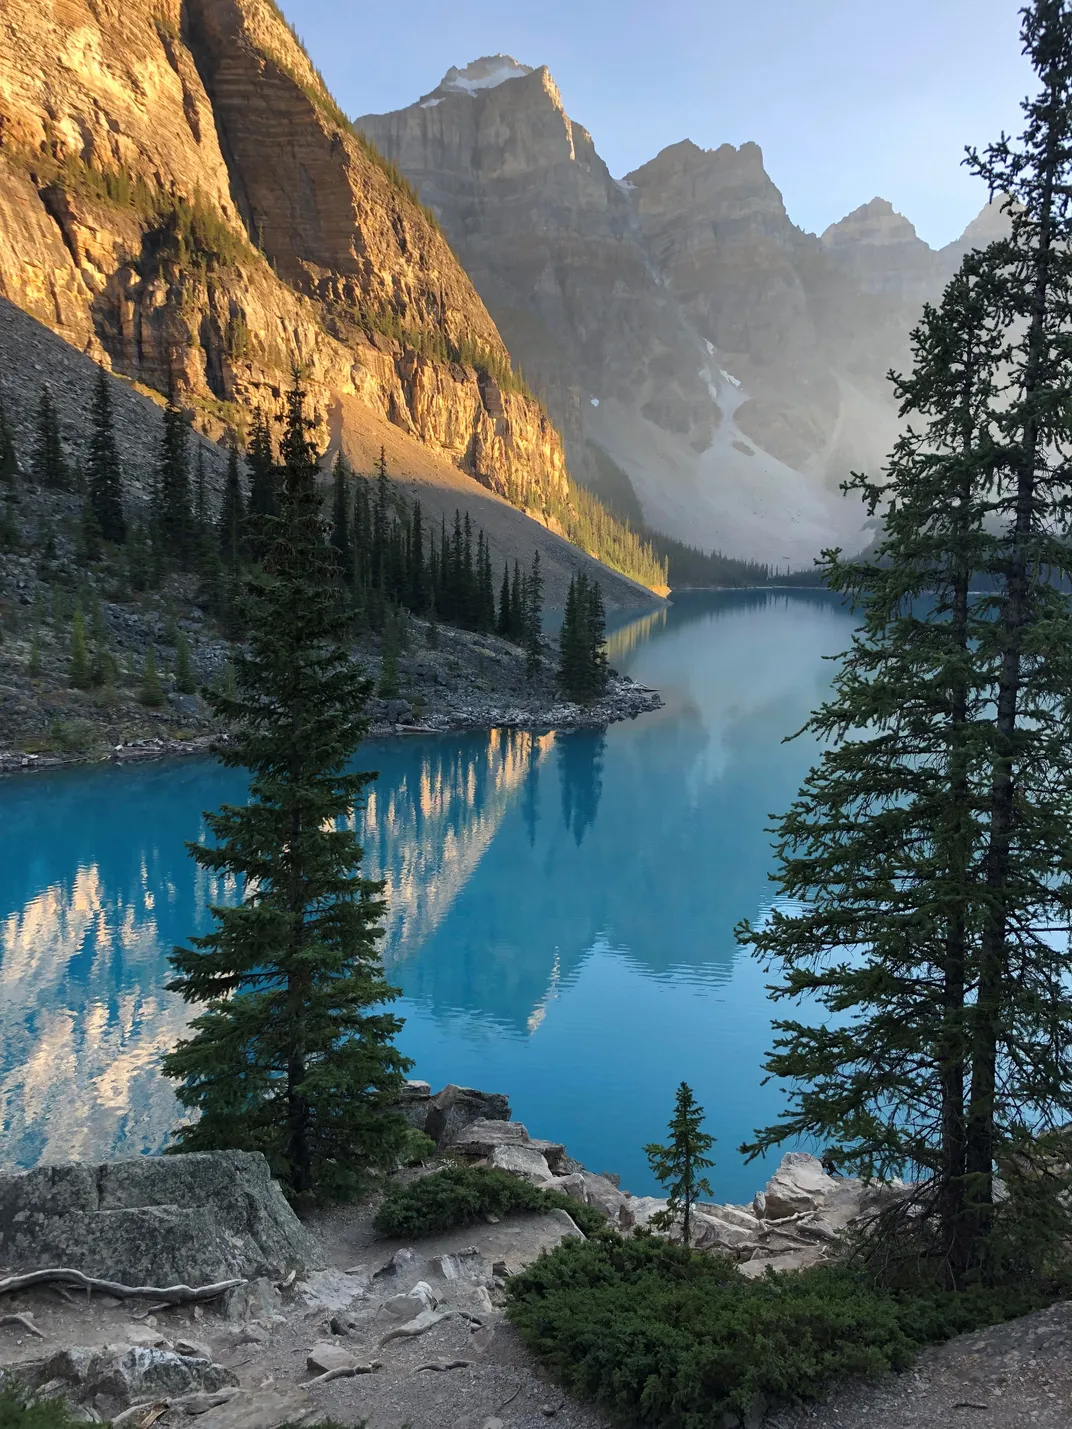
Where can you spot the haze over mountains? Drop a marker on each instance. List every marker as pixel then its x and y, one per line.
pixel 715 370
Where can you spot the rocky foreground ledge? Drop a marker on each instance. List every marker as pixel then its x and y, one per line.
pixel 328 1320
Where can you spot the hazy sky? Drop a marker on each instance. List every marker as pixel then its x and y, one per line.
pixel 848 98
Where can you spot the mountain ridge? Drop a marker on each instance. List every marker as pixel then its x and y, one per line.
pixel 182 199
pixel 675 320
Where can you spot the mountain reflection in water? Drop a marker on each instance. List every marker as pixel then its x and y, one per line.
pixel 560 907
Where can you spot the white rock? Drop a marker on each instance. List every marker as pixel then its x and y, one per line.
pixel 523 1161
pixel 410 1305
pixel 800 1184
pixel 788 1260
pixel 325 1356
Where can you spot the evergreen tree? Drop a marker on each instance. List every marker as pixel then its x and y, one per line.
pixel 102 668
pixel 50 469
pixel 9 529
pixel 9 466
pixel 677 1164
pixel 582 660
pixel 103 469
pixel 172 519
pixel 419 586
pixel 504 624
pixel 380 510
pixel 263 483
pixel 340 521
pixel 533 617
pixel 389 652
pixel 517 606
pixel 596 640
pixel 151 693
pixel 91 538
pixel 185 682
pixel 33 668
pixel 932 838
pixel 231 523
pixel 78 673
pixel 292 1053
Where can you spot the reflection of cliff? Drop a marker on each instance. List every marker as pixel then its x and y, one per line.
pixel 90 915
pixel 674 849
pixel 429 823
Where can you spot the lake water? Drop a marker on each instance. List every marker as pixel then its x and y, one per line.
pixel 561 908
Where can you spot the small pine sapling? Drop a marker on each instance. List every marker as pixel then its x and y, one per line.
pixel 677 1164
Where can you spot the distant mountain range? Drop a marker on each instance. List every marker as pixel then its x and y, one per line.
pixel 715 370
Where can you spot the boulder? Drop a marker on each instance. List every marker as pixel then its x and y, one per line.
pixel 265 1408
pixel 415 1103
pixel 523 1161
pixel 710 1232
pixel 410 1304
pixel 800 1184
pixel 155 1220
pixel 787 1260
pixel 480 1139
pixel 593 1190
pixel 116 1377
pixel 638 1211
pixel 455 1108
pixel 326 1356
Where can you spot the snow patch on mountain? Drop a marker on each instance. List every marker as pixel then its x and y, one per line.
pixel 485 73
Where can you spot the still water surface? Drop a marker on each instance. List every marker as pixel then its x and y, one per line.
pixel 561 908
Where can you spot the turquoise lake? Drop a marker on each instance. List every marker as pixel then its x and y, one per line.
pixel 561 907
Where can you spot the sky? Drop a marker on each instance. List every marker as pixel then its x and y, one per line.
pixel 848 99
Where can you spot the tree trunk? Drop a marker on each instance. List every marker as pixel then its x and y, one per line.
pixel 1013 621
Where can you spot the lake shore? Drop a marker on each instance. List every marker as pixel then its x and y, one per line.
pixel 464 707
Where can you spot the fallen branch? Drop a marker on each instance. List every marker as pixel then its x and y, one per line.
pixel 26 1322
pixel 142 1414
pixel 168 1295
pixel 343 1372
pixel 443 1364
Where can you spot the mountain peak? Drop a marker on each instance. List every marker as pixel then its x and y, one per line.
pixel 488 72
pixel 874 223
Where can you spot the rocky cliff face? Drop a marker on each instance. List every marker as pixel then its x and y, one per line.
pixel 180 197
pixel 676 320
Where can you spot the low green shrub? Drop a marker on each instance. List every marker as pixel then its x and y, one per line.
pixel 660 1335
pixel 465 1195
pixel 17 1411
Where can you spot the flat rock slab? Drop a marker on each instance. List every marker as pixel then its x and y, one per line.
pixel 154 1220
pixel 260 1409
pixel 327 1356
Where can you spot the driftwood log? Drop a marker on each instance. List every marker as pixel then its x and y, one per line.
pixel 343 1372
pixel 167 1295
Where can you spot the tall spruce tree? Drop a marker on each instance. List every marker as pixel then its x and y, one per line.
pixel 263 484
pixel 172 523
pixel 340 521
pixel 231 521
pixel 50 468
pixel 929 851
pixel 9 466
pixel 533 616
pixel 292 1054
pixel 103 472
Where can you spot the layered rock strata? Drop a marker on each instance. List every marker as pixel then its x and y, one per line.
pixel 181 199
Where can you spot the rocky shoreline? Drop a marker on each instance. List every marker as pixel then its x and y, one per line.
pixel 449 680
pixel 327 1319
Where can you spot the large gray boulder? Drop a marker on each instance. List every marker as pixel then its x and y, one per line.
pixel 156 1220
pixel 449 1112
